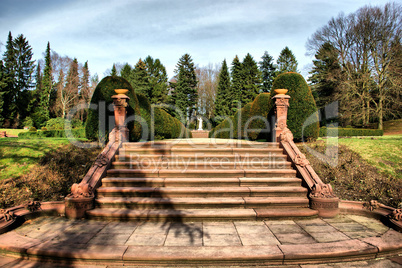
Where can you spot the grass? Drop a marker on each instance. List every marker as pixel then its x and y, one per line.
pixel 393 126
pixel 11 131
pixel 366 168
pixel 383 152
pixel 40 169
pixel 18 156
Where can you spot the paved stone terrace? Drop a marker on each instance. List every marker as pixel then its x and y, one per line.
pixel 124 239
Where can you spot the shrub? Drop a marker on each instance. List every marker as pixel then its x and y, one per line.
pixel 32 129
pixel 56 133
pixel 28 122
pixel 302 117
pixel 43 129
pixel 100 120
pixel 76 123
pixel 349 132
pixel 55 123
pixel 165 126
pixel 253 118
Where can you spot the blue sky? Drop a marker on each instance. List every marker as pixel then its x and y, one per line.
pixel 103 32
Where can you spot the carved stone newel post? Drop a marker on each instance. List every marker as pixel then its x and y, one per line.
pixel 120 111
pixel 281 111
pixel 82 194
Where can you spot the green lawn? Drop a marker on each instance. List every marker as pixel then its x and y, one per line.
pixel 393 126
pixel 11 131
pixel 18 156
pixel 382 152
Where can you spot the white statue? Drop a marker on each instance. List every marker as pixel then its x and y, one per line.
pixel 199 123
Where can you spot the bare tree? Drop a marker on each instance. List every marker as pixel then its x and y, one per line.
pixel 364 41
pixel 207 77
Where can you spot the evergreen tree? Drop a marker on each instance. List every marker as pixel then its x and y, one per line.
pixel 9 88
pixel 268 70
pixel 3 87
pixel 157 79
pixel 114 71
pixel 222 101
pixel 325 75
pixel 85 89
pixel 127 73
pixel 236 85
pixel 23 76
pixel 186 86
pixel 140 81
pixel 42 113
pixel 252 80
pixel 286 61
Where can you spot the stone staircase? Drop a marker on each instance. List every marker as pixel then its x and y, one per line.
pixel 198 180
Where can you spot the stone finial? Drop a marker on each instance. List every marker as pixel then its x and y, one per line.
pixel 322 190
pixel 7 215
pixel 396 215
pixel 301 160
pixel 372 205
pixel 81 190
pixel 33 206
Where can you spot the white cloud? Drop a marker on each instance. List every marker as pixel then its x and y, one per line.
pixel 104 32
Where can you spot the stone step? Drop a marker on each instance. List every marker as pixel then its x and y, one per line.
pixel 197 143
pixel 196 182
pixel 244 158
pixel 168 192
pixel 192 151
pixel 193 173
pixel 214 165
pixel 200 202
pixel 183 215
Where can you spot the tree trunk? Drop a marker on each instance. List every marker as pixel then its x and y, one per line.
pixel 380 113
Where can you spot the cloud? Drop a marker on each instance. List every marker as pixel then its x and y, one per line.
pixel 104 32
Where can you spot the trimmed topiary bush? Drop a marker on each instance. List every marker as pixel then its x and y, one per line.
pixel 100 120
pixel 253 119
pixel 138 114
pixel 165 125
pixel 302 113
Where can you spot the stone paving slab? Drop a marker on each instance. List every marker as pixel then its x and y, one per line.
pixel 282 241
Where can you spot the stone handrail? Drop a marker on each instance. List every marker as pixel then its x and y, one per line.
pixel 321 195
pixel 82 194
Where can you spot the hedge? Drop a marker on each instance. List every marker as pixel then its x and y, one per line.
pixel 253 118
pixel 102 102
pixel 59 133
pixel 302 113
pixel 165 125
pixel 349 132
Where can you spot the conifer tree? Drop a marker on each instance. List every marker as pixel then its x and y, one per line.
pixel 236 85
pixel 114 71
pixel 42 113
pixel 252 80
pixel 286 61
pixel 127 73
pixel 268 69
pixel 85 90
pixel 9 89
pixel 186 86
pixel 157 79
pixel 222 101
pixel 325 75
pixel 3 86
pixel 140 78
